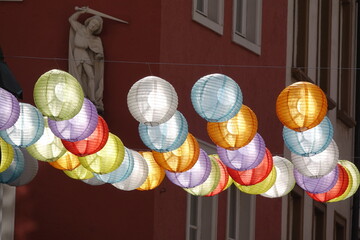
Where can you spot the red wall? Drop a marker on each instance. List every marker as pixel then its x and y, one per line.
pixel 34 38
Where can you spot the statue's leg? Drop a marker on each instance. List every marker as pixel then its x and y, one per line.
pixel 81 79
pixel 91 82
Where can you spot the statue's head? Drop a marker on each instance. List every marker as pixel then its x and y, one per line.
pixel 94 23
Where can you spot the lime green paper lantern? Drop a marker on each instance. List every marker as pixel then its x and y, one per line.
pixel 260 187
pixel 58 95
pixel 7 155
pixel 107 159
pixel 210 183
pixel 79 173
pixel 48 148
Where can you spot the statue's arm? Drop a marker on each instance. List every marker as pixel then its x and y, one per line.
pixel 73 19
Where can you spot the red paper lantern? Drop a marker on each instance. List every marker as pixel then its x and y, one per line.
pixel 224 176
pixel 339 188
pixel 92 144
pixel 255 175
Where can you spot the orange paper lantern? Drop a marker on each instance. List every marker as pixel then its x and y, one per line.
pixel 181 159
pixel 301 106
pixel 156 173
pixel 236 132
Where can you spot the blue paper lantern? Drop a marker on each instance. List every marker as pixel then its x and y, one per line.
pixel 216 97
pixel 15 169
pixel 28 128
pixel 30 171
pixel 122 172
pixel 167 136
pixel 309 142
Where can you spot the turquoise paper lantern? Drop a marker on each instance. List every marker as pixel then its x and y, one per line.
pixel 309 142
pixel 216 97
pixel 28 128
pixel 30 171
pixel 15 169
pixel 167 136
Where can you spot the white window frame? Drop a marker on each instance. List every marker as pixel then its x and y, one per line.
pixel 239 215
pixel 201 17
pixel 199 220
pixel 240 37
pixel 7 211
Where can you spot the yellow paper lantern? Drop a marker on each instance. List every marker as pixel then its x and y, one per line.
pixel 260 187
pixel 180 159
pixel 107 159
pixel 7 155
pixel 48 148
pixel 156 173
pixel 236 132
pixel 301 106
pixel 68 161
pixel 79 173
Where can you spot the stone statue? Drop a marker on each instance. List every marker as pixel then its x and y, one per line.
pixel 86 56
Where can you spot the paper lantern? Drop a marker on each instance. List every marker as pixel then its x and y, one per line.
pixel 285 180
pixel 167 136
pixel 309 142
pixel 81 126
pixel 152 100
pixel 122 172
pixel 255 175
pixel 210 183
pixel 137 176
pixel 28 128
pixel 79 173
pixel 94 143
pixel 48 148
pixel 301 106
pixel 93 181
pixel 317 165
pixel 15 169
pixel 156 173
pixel 7 155
pixel 107 159
pixel 31 168
pixel 229 183
pixel 338 189
pixel 58 95
pixel 354 180
pixel 260 187
pixel 68 161
pixel 181 159
pixel 195 175
pixel 216 97
pixel 246 157
pixel 224 176
pixel 9 109
pixel 317 185
pixel 236 132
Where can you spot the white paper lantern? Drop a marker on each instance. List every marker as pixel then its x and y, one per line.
pixel 138 175
pixel 152 100
pixel 317 165
pixel 285 180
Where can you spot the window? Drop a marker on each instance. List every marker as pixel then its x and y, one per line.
pixel 339 227
pixel 295 214
pixel 202 218
pixel 319 221
pixel 247 24
pixel 300 34
pixel 346 73
pixel 209 13
pixel 7 211
pixel 241 215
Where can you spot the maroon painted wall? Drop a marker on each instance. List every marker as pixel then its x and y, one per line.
pixel 34 38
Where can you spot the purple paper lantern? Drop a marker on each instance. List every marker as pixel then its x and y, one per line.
pixel 317 185
pixel 244 158
pixel 9 109
pixel 79 127
pixel 195 175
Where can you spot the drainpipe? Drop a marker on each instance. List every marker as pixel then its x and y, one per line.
pixel 356 202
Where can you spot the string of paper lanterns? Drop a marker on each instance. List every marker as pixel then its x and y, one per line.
pixel 65 130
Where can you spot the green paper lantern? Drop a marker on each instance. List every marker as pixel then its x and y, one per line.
pixel 7 155
pixel 58 95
